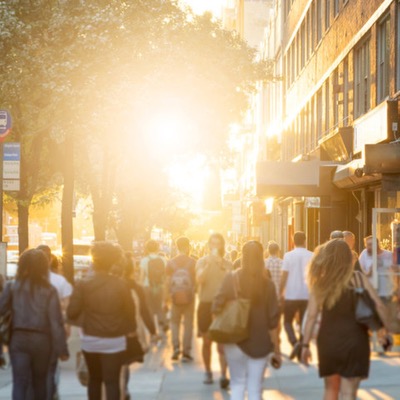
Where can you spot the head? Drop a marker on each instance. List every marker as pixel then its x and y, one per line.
pixel 336 235
pixel 368 242
pixel 216 244
pixel 330 271
pixel 253 269
pixel 183 245
pixel 54 264
pixel 273 249
pixel 152 247
pixel 46 250
pixel 33 266
pixel 350 239
pixel 234 254
pixel 299 239
pixel 105 255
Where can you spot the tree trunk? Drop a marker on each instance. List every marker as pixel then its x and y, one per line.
pixel 67 208
pixel 99 222
pixel 23 226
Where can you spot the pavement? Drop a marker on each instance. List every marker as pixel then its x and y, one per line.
pixel 161 379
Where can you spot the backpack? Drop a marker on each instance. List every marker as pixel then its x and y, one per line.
pixel 156 272
pixel 181 286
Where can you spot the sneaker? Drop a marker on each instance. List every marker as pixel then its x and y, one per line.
pixel 296 352
pixel 208 378
pixel 187 358
pixel 175 356
pixel 224 383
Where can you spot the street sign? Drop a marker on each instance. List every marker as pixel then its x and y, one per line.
pixel 5 124
pixel 11 185
pixel 11 163
pixel 12 152
pixel 11 169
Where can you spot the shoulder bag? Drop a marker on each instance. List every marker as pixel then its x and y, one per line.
pixel 232 324
pixel 365 308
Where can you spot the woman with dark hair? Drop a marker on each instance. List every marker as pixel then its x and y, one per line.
pixel 342 343
pixel 105 304
pixel 248 360
pixel 37 325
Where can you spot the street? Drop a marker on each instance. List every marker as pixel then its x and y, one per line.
pixel 160 379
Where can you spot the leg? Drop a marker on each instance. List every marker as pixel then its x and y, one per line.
pixel 40 372
pixel 176 316
pixel 255 377
pixel 51 378
pixel 302 307
pixel 111 365
pixel 188 328
pixel 222 360
pixel 95 375
pixel 349 388
pixel 21 373
pixel 332 387
pixel 289 314
pixel 206 352
pixel 237 361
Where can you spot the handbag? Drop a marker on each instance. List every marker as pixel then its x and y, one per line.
pixel 231 325
pixel 365 308
pixel 134 351
pixel 82 371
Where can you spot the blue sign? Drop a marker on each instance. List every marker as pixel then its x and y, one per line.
pixel 12 152
pixel 5 123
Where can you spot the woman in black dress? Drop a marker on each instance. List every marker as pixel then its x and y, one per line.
pixel 342 343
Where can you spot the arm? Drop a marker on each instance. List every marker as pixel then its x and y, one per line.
pixel 312 316
pixel 284 278
pixel 201 270
pixel 57 327
pixel 129 309
pixel 144 311
pixel 225 293
pixel 75 306
pixel 6 299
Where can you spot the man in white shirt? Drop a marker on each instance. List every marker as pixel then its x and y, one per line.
pixel 294 289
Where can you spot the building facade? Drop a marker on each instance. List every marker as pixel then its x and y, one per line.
pixel 330 150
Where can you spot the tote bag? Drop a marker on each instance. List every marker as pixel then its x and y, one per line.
pixel 232 324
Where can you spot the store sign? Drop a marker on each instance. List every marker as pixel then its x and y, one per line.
pixel 11 166
pixel 312 202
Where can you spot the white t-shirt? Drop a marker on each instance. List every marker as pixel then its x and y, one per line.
pixel 64 288
pixel 295 263
pixel 94 344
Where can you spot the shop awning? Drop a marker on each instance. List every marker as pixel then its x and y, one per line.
pixel 294 179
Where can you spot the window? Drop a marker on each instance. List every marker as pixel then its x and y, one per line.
pixel 346 93
pixel 318 132
pixel 313 125
pixel 303 45
pixel 319 20
pixel 398 49
pixel 327 105
pixel 313 26
pixel 335 98
pixel 362 79
pixel 336 7
pixel 383 73
pixel 327 13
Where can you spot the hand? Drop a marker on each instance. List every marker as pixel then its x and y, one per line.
pixel 64 357
pixel 131 335
pixel 67 329
pixel 276 360
pixel 306 356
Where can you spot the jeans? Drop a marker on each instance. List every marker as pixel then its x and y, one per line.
pixel 187 312
pixel 291 307
pixel 30 354
pixel 53 378
pixel 104 368
pixel 247 374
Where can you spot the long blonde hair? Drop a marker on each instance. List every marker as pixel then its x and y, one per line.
pixel 330 272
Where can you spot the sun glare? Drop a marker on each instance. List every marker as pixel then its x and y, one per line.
pixel 200 6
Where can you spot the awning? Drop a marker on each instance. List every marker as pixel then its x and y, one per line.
pixel 347 177
pixel 294 179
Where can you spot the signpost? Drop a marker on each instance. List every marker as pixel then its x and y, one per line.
pixel 5 129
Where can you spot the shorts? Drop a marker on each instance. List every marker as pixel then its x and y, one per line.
pixel 204 317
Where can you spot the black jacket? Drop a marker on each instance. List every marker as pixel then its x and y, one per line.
pixel 35 311
pixel 104 305
pixel 264 316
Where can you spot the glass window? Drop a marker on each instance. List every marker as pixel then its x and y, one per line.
pixel 335 97
pixel 319 117
pixel 327 106
pixel 319 20
pixel 346 93
pixel 327 13
pixel 303 45
pixel 383 73
pixel 362 79
pixel 336 7
pixel 398 49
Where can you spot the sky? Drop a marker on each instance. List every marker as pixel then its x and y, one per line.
pixel 200 6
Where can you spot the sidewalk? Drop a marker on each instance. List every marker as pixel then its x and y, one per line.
pixel 160 379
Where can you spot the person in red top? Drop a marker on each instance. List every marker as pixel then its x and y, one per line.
pixel 181 273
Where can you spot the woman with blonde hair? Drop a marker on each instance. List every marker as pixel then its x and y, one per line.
pixel 342 343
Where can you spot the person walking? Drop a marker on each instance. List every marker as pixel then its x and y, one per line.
pixel 105 305
pixel 350 239
pixel 64 290
pixel 294 290
pixel 274 264
pixel 181 273
pixel 37 326
pixel 152 271
pixel 211 271
pixel 248 359
pixel 342 343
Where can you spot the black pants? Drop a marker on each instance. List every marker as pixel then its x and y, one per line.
pixel 104 368
pixel 30 354
pixel 290 309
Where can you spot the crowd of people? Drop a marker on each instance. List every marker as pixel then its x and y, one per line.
pixel 122 307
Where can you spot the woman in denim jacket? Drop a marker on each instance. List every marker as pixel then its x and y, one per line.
pixel 37 328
